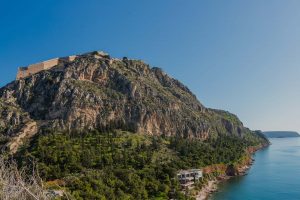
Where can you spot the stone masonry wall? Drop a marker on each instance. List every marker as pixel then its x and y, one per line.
pixel 24 72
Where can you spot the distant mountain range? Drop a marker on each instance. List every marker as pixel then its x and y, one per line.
pixel 281 134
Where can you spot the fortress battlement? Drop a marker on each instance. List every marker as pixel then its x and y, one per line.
pixel 24 72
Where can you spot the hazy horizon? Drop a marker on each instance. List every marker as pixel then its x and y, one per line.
pixel 237 56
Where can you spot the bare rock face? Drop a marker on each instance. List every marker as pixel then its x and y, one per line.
pixel 15 124
pixel 95 91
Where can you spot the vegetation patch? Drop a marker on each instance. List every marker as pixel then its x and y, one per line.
pixel 124 165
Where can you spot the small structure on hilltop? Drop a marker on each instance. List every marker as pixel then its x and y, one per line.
pixel 187 178
pixel 29 70
pixel 24 72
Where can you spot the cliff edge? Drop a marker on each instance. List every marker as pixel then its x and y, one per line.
pixel 95 91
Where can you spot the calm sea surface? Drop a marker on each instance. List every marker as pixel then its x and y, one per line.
pixel 275 175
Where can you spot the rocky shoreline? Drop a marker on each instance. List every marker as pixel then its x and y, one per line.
pixel 212 185
pixel 209 188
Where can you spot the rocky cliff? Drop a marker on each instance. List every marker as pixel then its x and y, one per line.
pixel 97 92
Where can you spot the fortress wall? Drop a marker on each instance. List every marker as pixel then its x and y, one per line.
pixel 32 69
pixel 68 59
pixel 71 58
pixel 50 63
pixel 23 72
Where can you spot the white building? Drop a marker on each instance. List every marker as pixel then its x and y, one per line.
pixel 188 177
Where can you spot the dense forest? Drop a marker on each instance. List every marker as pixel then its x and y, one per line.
pixel 123 165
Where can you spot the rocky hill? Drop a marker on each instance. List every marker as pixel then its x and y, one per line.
pixel 97 92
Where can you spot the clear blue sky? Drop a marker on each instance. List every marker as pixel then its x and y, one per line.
pixel 241 56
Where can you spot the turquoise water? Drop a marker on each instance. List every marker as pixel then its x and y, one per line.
pixel 275 175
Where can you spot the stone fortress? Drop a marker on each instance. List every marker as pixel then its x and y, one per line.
pixel 29 70
pixel 24 72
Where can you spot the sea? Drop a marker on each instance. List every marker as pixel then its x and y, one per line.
pixel 275 175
